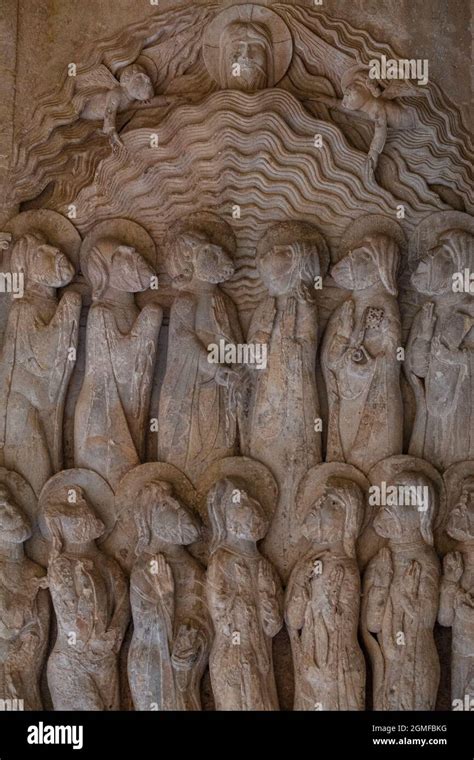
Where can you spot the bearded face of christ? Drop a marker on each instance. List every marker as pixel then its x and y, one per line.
pixel 245 57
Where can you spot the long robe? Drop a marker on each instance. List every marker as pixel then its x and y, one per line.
pixel 362 376
pixel 322 617
pixel 156 683
pixel 111 409
pixel 197 417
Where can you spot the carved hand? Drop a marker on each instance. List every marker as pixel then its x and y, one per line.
pixel 453 567
pixel 383 568
pixel 427 321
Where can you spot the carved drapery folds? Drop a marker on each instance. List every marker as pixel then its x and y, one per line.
pixel 236 377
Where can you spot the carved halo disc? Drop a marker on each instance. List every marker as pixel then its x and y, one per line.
pixel 370 224
pixel 127 232
pixel 97 492
pixel 282 42
pixel 58 230
pixel 259 481
pixel 427 234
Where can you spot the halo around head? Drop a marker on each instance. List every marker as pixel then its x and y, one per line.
pixel 281 40
pixel 58 230
pixel 453 478
pixel 312 484
pixel 126 232
pixel 216 229
pixel 284 233
pixel 388 469
pixel 132 483
pixel 96 490
pixel 370 224
pixel 259 482
pixel 24 496
pixel 427 233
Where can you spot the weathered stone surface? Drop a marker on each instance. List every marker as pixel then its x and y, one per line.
pixel 236 355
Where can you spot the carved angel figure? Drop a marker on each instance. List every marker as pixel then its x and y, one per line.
pixel 172 628
pixel 284 405
pixel 322 604
pixel 400 601
pixel 37 359
pixel 440 354
pixel 121 340
pixel 199 399
pixel 245 601
pixel 371 100
pixel 91 603
pixel 359 356
pixel 456 608
pixel 24 609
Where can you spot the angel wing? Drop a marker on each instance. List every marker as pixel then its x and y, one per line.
pixel 97 78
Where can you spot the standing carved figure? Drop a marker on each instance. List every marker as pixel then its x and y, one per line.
pixel 111 410
pixel 400 598
pixel 198 403
pixel 440 349
pixel 172 630
pixel 38 353
pixel 359 354
pixel 245 601
pixel 456 607
pixel 284 408
pixel 90 600
pixel 322 601
pixel 24 610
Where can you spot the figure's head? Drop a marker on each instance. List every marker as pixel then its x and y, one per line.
pixel 40 261
pixel 112 264
pixel 15 527
pixel 358 88
pixel 410 512
pixel 374 259
pixel 461 518
pixel 194 256
pixel 233 512
pixel 136 82
pixel 453 253
pixel 245 56
pixel 160 514
pixel 336 515
pixel 68 516
pixel 288 260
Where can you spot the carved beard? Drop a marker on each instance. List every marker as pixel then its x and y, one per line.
pixel 252 77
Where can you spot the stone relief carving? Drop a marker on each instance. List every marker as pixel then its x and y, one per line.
pixel 24 605
pixel 111 410
pixel 440 348
pixel 39 346
pixel 199 402
pixel 227 152
pixel 456 606
pixel 247 47
pixel 322 595
pixel 359 353
pixel 283 432
pixel 89 593
pixel 401 586
pixel 172 629
pixel 243 589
